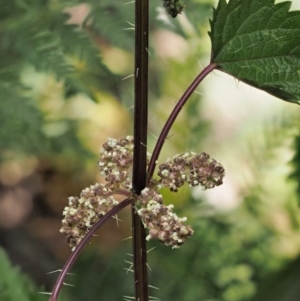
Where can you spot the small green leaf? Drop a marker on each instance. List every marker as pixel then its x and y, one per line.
pixel 258 42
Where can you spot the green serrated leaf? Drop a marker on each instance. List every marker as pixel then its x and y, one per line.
pixel 258 42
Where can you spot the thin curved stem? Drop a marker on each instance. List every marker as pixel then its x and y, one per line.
pixel 179 105
pixel 85 240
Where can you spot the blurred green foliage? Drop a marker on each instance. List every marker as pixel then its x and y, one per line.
pixel 296 163
pixel 61 92
pixel 14 285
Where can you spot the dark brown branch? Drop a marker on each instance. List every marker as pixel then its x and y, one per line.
pixel 179 105
pixel 140 145
pixel 84 241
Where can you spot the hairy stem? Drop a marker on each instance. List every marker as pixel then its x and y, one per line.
pixel 140 97
pixel 85 240
pixel 139 176
pixel 179 105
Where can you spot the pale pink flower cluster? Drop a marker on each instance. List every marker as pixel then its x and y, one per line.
pixel 194 169
pixel 116 158
pixel 163 224
pixel 82 213
pixel 95 201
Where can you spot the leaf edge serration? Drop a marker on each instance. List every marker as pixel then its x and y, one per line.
pixel 282 81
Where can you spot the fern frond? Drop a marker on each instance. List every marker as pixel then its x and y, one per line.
pixel 109 19
pixel 21 123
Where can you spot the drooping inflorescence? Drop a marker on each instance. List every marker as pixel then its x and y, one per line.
pixel 163 224
pixel 115 160
pixel 174 7
pixel 95 201
pixel 82 213
pixel 195 169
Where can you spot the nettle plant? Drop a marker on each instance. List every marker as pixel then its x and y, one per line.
pixel 257 42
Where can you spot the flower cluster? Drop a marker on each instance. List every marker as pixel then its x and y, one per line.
pixel 95 201
pixel 195 169
pixel 116 158
pixel 81 213
pixel 174 7
pixel 162 223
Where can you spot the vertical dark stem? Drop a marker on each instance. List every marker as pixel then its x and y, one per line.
pixel 140 145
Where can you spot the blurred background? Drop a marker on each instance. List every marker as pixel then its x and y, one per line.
pixel 66 85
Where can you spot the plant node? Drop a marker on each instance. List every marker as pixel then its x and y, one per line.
pixel 163 224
